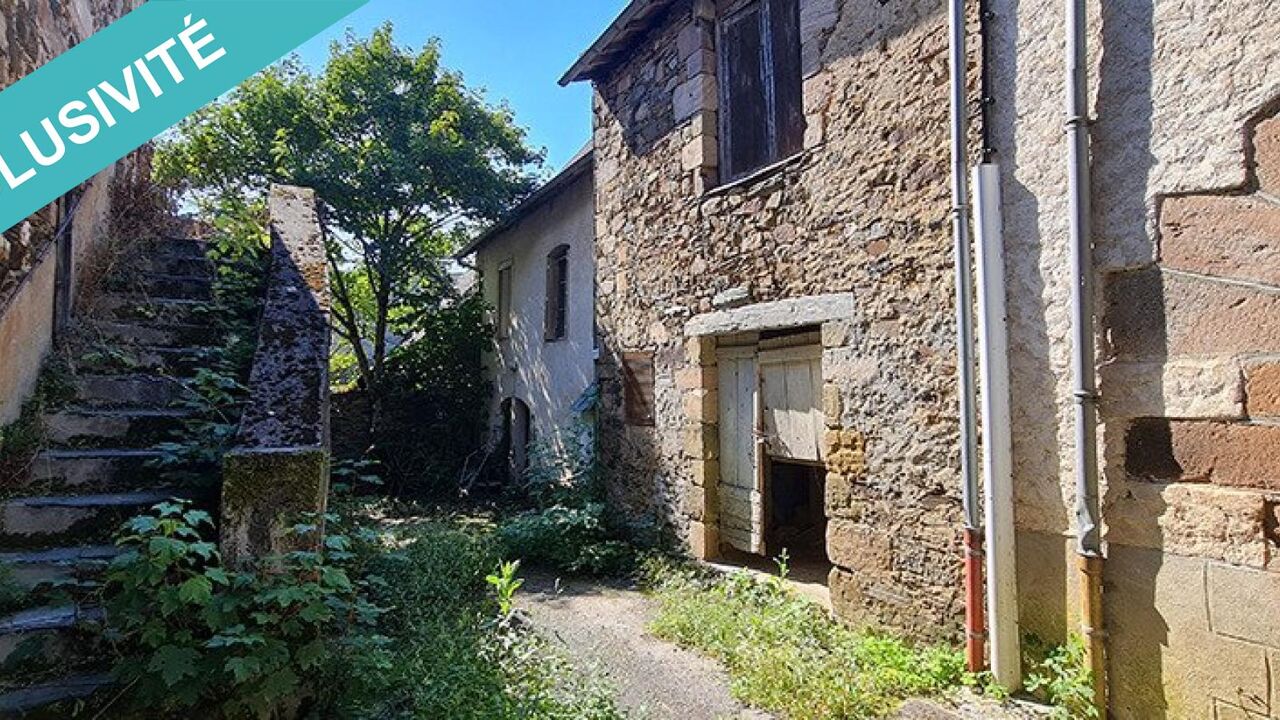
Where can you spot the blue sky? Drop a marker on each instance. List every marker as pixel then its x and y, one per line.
pixel 515 49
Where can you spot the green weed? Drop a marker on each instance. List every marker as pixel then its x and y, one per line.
pixel 1060 676
pixel 785 654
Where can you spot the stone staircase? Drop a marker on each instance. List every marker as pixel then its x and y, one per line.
pixel 98 469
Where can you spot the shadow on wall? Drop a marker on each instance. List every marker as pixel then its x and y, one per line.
pixel 1033 383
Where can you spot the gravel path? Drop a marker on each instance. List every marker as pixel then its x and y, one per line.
pixel 603 629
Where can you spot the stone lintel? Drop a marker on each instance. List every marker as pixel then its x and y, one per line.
pixel 779 314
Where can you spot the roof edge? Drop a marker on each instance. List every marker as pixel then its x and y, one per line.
pixel 634 19
pixel 582 163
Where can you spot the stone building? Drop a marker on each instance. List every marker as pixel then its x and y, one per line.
pixel 1186 161
pixel 776 322
pixel 777 353
pixel 536 270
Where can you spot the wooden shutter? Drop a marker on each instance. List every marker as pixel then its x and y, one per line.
pixel 745 125
pixel 637 379
pixel 791 385
pixel 504 301
pixel 557 303
pixel 788 100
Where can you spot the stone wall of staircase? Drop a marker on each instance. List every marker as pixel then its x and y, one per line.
pixel 32 32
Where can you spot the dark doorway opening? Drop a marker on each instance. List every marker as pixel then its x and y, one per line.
pixel 513 449
pixel 796 518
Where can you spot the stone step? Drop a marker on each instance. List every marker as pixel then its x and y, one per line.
pixel 41 633
pixel 128 427
pixel 40 522
pixel 95 470
pixel 29 700
pixel 182 247
pixel 59 566
pixel 131 308
pixel 129 391
pixel 178 362
pixel 155 334
pixel 177 263
pixel 167 287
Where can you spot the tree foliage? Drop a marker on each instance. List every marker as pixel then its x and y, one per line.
pixel 405 158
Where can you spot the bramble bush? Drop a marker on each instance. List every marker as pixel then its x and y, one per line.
pixel 196 638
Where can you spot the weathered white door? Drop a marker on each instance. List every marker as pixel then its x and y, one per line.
pixel 791 398
pixel 741 486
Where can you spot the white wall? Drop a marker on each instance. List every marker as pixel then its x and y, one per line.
pixel 548 376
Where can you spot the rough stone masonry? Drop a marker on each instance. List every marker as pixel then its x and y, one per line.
pixel 861 213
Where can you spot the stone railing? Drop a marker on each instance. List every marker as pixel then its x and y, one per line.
pixel 278 473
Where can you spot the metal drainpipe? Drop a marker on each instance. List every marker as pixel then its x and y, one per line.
pixel 975 624
pixel 1088 512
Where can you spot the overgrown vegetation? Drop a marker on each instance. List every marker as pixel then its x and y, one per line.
pixel 435 409
pixel 23 438
pixel 215 392
pixel 416 621
pixel 564 523
pixel 1060 676
pixel 196 638
pixel 787 655
pixel 405 158
pixel 455 647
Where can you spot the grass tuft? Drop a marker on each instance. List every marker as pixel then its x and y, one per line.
pixel 785 654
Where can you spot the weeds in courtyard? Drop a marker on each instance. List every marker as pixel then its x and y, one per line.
pixel 1060 676
pixel 455 648
pixel 411 620
pixel 786 655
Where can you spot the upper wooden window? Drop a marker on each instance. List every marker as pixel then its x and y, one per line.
pixel 557 310
pixel 504 301
pixel 761 103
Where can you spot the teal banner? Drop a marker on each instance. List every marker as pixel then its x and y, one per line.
pixel 125 85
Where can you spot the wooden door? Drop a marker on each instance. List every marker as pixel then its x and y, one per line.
pixel 791 393
pixel 741 482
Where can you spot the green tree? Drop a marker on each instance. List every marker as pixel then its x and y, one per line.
pixel 405 158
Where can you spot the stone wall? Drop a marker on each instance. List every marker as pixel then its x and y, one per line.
pixel 278 472
pixel 863 210
pixel 1187 235
pixel 32 32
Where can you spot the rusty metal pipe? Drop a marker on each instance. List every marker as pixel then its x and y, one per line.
pixel 1083 360
pixel 975 621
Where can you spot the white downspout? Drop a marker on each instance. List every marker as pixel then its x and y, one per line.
pixel 997 464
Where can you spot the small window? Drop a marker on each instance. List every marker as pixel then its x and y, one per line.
pixel 557 293
pixel 504 301
pixel 637 379
pixel 762 113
